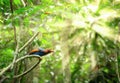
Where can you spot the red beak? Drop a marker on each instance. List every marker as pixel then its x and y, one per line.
pixel 51 51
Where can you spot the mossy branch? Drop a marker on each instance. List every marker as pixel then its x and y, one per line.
pixel 31 68
pixel 22 48
pixel 28 42
pixel 21 59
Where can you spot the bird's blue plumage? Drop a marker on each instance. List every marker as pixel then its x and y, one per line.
pixel 40 52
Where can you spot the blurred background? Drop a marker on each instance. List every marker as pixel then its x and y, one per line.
pixel 84 34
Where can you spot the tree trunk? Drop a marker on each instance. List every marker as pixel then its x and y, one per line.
pixel 66 55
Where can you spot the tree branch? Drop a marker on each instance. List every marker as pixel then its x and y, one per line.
pixel 11 6
pixel 28 42
pixel 25 45
pixel 18 60
pixel 5 69
pixel 31 68
pixel 24 4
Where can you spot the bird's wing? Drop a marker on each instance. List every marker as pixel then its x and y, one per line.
pixel 33 51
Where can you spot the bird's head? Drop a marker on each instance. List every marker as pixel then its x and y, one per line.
pixel 48 50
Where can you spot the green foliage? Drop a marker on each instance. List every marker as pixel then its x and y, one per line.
pixel 92 36
pixel 6 57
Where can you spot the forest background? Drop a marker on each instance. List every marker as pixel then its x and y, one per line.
pixel 84 34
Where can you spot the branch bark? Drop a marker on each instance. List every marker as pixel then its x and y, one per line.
pixel 18 60
pixel 25 45
pixel 28 42
pixel 23 2
pixel 31 68
pixel 117 53
pixel 11 6
pixel 65 52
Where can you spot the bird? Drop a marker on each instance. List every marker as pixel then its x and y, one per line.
pixel 40 51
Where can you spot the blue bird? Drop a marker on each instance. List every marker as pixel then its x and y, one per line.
pixel 40 52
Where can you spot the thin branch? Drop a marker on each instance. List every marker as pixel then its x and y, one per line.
pixel 18 60
pixel 3 79
pixel 17 40
pixel 11 6
pixel 5 69
pixel 31 68
pixel 117 67
pixel 23 3
pixel 25 45
pixel 17 46
pixel 15 34
pixel 28 42
pixel 117 53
